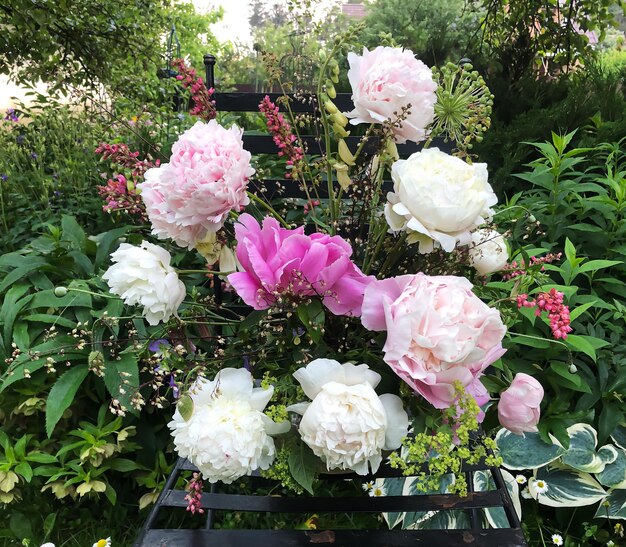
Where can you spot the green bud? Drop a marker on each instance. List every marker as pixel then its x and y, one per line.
pixel 340 131
pixel 322 55
pixel 60 291
pixel 330 89
pixel 344 152
pixel 573 369
pixel 330 107
pixel 340 119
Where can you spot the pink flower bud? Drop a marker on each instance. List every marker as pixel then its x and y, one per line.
pixel 518 409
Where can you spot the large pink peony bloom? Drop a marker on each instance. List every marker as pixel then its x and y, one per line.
pixel 438 332
pixel 518 409
pixel 384 81
pixel 205 179
pixel 278 262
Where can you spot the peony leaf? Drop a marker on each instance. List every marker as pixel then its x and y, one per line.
pixel 526 451
pixel 185 407
pixel 303 466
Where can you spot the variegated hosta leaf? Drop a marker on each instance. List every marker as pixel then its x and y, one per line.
pixel 616 508
pixel 565 487
pixel 581 454
pixel 421 519
pixel 526 451
pixel 619 436
pixel 496 517
pixel 614 474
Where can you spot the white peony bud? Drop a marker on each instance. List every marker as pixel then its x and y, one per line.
pixel 488 252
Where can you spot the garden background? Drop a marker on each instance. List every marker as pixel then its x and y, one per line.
pixel 555 151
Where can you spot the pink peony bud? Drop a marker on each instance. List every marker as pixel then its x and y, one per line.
pixel 518 409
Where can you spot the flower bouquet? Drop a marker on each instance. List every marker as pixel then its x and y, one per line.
pixel 334 331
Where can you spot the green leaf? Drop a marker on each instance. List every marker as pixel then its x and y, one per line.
pixel 525 451
pixel 572 381
pixel 312 316
pixel 595 265
pixel 72 232
pixel 110 494
pixel 50 319
pixel 124 465
pixel 581 454
pixel 105 244
pixel 41 457
pixel 122 372
pixel 20 272
pixel 62 395
pixel 578 343
pixel 483 482
pixel 616 509
pixel 11 306
pixel 20 526
pixel 574 314
pixel 619 436
pixel 614 473
pixel 25 470
pixel 610 417
pixel 566 488
pixel 303 466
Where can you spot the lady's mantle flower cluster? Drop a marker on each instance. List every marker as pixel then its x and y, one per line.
pixel 558 313
pixel 281 132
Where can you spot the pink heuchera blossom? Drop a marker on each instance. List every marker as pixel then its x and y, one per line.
pixel 518 409
pixel 277 262
pixel 438 333
pixel 205 179
pixel 384 81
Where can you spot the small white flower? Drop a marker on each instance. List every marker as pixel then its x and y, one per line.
pixel 103 543
pixel 540 486
pixel 377 491
pixel 526 494
pixel 610 543
pixel 520 479
pixel 48 545
pixel 227 435
pixel 367 486
pixel 143 276
pixel 557 539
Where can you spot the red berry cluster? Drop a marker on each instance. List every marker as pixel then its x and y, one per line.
pixel 558 313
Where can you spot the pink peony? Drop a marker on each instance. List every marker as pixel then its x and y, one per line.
pixel 438 333
pixel 518 409
pixel 384 81
pixel 278 262
pixel 205 179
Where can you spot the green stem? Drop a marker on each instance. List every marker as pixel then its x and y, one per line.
pixel 267 206
pixel 392 255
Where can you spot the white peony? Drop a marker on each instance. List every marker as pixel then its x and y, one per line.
pixel 143 276
pixel 488 252
pixel 347 424
pixel 438 199
pixel 227 435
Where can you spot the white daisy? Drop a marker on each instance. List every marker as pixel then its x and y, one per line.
pixel 377 491
pixel 541 486
pixel 557 539
pixel 103 543
pixel 520 479
pixel 368 486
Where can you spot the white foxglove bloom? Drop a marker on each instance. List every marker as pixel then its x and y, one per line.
pixel 488 252
pixel 347 424
pixel 227 435
pixel 142 276
pixel 438 199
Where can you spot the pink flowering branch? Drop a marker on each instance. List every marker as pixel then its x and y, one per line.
pixel 121 155
pixel 516 269
pixel 282 134
pixel 203 105
pixel 552 303
pixel 194 498
pixel 121 195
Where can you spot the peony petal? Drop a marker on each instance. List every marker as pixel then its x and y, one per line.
pixel 397 421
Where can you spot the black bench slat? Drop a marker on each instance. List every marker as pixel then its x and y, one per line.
pixel 363 504
pixel 336 538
